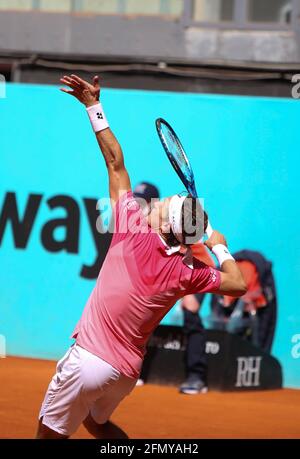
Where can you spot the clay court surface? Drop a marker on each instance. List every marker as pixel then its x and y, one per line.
pixel 154 411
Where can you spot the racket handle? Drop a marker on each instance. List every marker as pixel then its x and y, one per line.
pixel 209 230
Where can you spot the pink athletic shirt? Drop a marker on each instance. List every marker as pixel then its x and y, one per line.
pixel 136 287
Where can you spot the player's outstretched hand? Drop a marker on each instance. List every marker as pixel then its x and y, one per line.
pixel 87 93
pixel 215 238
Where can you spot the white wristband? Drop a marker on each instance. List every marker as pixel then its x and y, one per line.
pixel 222 253
pixel 97 117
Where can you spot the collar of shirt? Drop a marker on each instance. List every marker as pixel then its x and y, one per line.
pixel 187 255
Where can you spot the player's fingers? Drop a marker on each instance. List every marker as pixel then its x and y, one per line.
pixel 68 91
pixel 71 81
pixel 66 82
pixel 75 83
pixel 96 82
pixel 66 77
pixel 81 82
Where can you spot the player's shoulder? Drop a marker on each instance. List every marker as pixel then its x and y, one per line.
pixel 201 269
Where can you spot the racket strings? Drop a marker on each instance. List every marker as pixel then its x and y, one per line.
pixel 177 152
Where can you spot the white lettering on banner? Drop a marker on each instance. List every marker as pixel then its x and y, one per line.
pixel 296 348
pixel 174 345
pixel 248 371
pixel 212 348
pixel 296 88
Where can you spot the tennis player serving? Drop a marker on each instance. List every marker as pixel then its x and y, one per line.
pixel 148 268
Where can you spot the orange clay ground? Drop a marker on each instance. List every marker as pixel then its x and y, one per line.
pixel 154 411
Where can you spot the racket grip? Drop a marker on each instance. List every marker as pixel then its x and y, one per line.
pixel 209 230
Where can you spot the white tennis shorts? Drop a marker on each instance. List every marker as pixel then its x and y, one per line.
pixel 83 384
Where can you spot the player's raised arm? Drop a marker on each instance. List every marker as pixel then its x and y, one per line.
pixel 89 94
pixel 232 281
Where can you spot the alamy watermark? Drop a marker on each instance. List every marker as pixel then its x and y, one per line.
pixel 2 87
pixel 295 352
pixel 296 87
pixel 2 347
pixel 136 215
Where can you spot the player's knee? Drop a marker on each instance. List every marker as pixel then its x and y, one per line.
pixel 93 427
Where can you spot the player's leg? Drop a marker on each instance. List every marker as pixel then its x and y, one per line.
pixel 266 325
pixel 64 408
pixel 80 380
pixel 195 355
pixel 97 422
pixel 45 433
pixel 108 430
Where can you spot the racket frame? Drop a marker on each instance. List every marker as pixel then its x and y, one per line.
pixel 189 185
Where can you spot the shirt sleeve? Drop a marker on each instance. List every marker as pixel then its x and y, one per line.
pixel 204 279
pixel 201 253
pixel 126 215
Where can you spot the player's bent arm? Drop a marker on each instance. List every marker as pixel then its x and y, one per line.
pixel 119 181
pixel 232 281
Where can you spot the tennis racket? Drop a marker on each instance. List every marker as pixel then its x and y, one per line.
pixel 178 158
